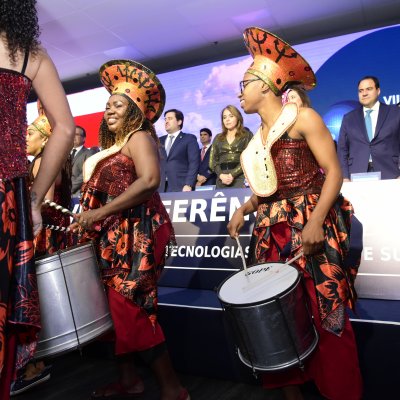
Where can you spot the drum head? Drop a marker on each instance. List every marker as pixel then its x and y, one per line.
pixel 258 283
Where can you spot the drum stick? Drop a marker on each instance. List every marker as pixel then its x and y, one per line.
pixel 57 228
pixel 58 207
pixel 241 253
pixel 294 258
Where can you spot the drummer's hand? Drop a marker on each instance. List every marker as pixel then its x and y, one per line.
pixel 36 220
pixel 87 220
pixel 236 223
pixel 312 238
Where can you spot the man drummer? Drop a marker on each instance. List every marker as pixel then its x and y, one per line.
pixel 299 212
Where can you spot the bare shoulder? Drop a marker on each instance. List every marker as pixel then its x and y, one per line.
pixel 37 60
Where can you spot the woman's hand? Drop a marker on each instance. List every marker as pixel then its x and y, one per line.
pixel 312 238
pixel 36 220
pixel 226 179
pixel 86 220
pixel 236 223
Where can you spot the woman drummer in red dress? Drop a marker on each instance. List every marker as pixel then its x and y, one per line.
pixel 48 241
pixel 24 64
pixel 124 215
pixel 300 209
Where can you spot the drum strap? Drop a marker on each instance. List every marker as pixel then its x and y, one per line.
pixel 256 159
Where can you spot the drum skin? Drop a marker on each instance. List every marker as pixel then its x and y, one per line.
pixel 275 331
pixel 73 303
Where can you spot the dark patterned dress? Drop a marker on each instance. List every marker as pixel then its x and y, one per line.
pixel 49 240
pixel 131 251
pixel 19 302
pixel 330 285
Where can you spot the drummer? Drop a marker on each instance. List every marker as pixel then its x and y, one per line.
pixel 124 215
pixel 299 210
pixel 48 240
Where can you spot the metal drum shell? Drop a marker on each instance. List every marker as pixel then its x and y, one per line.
pixel 73 303
pixel 273 334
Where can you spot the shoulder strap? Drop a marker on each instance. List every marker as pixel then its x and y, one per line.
pixel 26 57
pixel 256 159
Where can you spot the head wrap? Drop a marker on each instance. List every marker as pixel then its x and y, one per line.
pixel 41 123
pixel 275 62
pixel 138 83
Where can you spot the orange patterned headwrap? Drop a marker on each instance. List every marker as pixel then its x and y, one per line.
pixel 276 62
pixel 41 123
pixel 137 82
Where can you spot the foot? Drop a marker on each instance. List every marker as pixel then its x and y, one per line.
pixel 23 384
pixel 117 390
pixel 183 395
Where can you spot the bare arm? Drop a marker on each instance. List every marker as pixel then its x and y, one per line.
pixel 237 221
pixel 311 126
pixel 143 151
pixel 50 193
pixel 48 87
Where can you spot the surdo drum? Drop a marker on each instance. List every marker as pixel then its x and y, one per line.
pixel 266 309
pixel 73 304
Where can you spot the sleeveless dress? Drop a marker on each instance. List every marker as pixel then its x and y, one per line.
pixel 329 281
pixel 19 302
pixel 49 240
pixel 131 252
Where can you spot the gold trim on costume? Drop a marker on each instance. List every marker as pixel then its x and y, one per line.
pixel 256 160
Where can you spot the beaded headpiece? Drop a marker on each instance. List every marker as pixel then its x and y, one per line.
pixel 137 82
pixel 41 123
pixel 275 62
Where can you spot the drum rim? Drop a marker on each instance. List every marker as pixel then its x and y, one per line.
pixel 58 252
pixel 263 301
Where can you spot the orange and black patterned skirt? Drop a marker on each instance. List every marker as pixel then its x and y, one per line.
pixel 333 366
pixel 19 301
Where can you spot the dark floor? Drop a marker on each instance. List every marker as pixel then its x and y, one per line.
pixel 74 377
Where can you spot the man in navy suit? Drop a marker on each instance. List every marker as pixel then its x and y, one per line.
pixel 180 157
pixel 205 176
pixel 369 137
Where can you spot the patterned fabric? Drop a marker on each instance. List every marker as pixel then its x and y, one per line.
pixel 296 168
pixel 50 241
pixel 333 281
pixel 19 301
pixel 127 242
pixel 14 91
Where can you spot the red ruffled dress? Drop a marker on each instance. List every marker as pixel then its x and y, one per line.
pixel 131 252
pixel 330 285
pixel 19 302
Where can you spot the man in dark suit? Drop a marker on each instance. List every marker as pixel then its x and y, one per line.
pixel 205 176
pixel 369 137
pixel 79 154
pixel 180 157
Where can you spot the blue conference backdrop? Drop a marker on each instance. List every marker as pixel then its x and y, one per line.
pixel 202 91
pixel 374 54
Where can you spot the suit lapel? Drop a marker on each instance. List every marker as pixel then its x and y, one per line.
pixel 78 155
pixel 361 123
pixel 383 112
pixel 175 143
